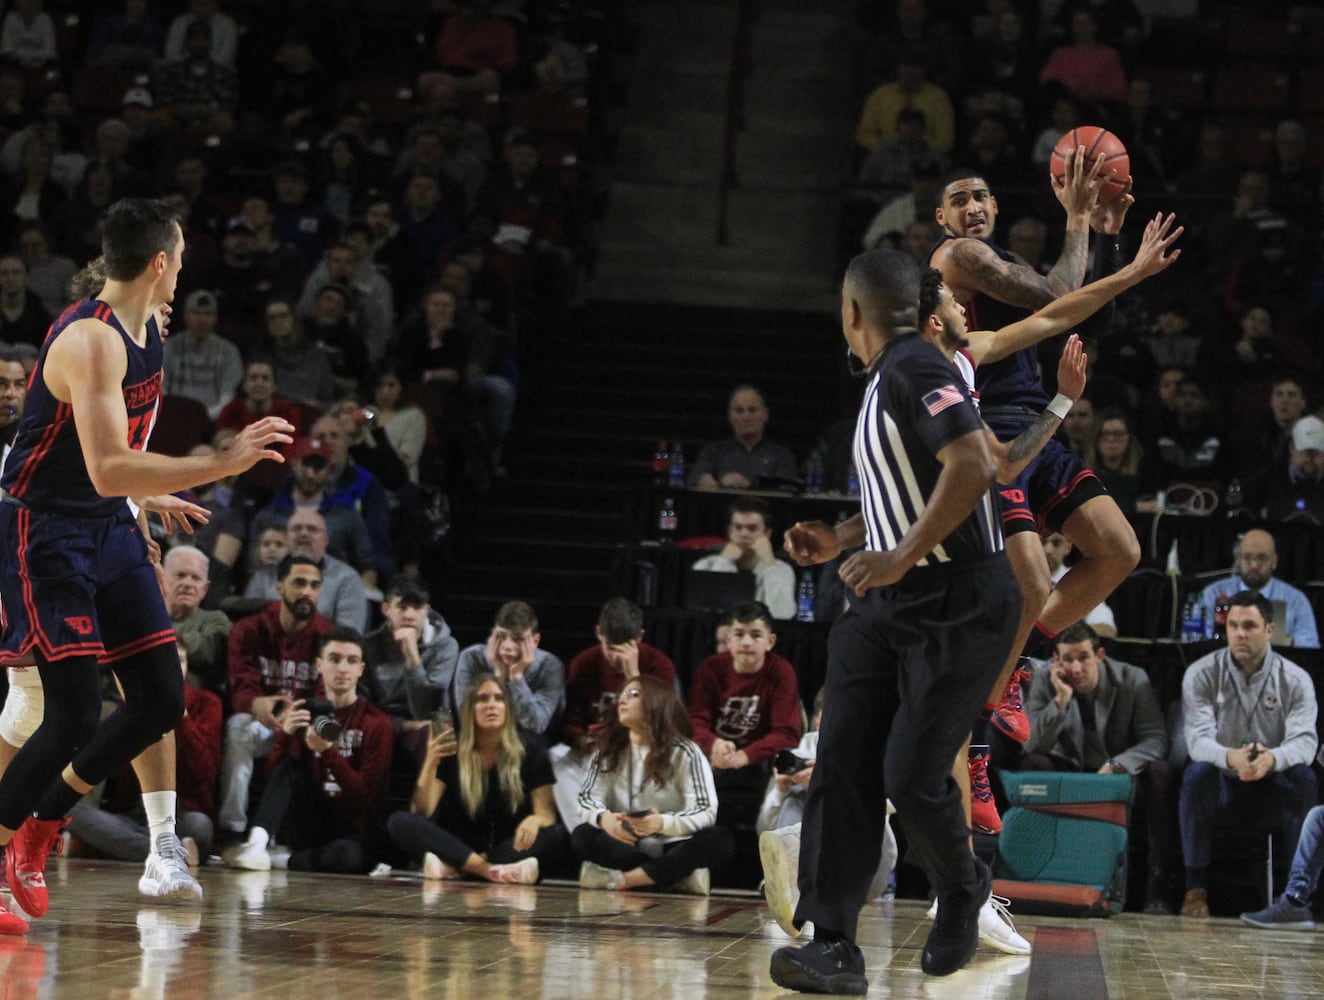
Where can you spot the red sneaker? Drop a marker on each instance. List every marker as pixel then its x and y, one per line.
pixel 25 862
pixel 12 923
pixel 983 810
pixel 1008 715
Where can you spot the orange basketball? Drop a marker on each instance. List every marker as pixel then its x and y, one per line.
pixel 1101 144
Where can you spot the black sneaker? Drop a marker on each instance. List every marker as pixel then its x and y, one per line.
pixel 955 934
pixel 821 967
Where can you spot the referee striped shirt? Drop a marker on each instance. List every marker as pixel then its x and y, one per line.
pixel 915 404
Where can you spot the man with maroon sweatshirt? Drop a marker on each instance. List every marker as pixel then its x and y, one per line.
pixel 595 678
pixel 745 706
pixel 271 655
pixel 329 769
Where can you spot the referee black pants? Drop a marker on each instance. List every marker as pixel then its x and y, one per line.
pixel 909 667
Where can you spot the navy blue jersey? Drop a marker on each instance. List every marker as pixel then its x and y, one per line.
pixel 916 404
pixel 45 467
pixel 1016 380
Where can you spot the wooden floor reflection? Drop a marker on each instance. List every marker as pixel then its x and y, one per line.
pixel 292 936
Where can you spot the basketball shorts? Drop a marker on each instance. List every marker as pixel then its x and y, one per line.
pixel 1055 484
pixel 76 586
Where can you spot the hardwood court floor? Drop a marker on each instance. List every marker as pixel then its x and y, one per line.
pixel 293 936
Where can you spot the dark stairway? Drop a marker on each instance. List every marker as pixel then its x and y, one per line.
pixel 589 418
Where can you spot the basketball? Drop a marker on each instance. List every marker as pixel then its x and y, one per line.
pixel 1101 144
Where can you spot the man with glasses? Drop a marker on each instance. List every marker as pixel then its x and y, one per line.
pixel 1256 557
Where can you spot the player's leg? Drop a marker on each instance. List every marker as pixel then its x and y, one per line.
pixel 19 720
pixel 1108 551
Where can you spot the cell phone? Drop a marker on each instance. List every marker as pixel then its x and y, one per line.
pixel 442 719
pixel 789 762
pixel 637 813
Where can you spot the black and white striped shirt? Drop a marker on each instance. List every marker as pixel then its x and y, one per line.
pixel 915 404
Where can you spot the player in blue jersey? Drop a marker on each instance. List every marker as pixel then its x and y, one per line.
pixel 76 586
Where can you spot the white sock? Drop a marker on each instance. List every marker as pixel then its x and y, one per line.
pixel 160 809
pixel 258 837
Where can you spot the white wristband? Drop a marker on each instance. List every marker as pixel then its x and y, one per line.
pixel 1060 406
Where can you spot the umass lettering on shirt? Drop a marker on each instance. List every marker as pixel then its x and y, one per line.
pixel 348 741
pixel 739 717
pixel 295 680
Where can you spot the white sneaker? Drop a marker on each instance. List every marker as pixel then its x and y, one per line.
pixel 280 856
pixel 593 876
pixel 779 851
pixel 522 872
pixel 166 875
pixel 250 857
pixel 995 927
pixel 697 883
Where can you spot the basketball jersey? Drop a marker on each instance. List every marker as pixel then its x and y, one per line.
pixel 45 467
pixel 1016 379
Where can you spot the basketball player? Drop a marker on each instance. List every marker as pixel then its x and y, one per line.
pixel 75 581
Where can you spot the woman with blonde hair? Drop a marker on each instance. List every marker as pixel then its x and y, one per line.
pixel 483 803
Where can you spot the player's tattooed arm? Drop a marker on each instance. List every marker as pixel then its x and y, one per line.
pixel 973 264
pixel 1024 447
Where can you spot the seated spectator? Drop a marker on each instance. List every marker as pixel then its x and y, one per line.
pixel 197 763
pixel 1057 550
pixel 242 283
pixel 911 89
pixel 301 366
pixel 779 825
pixel 411 660
pixel 1256 557
pixel 395 255
pixel 1092 714
pixel 1249 723
pixel 341 596
pixel 196 96
pixel 1291 911
pixel 483 803
pixel 403 423
pixel 1295 489
pixel 476 47
pixel 535 677
pixel 372 303
pixel 888 169
pixel 648 807
pixel 1120 462
pixel 330 326
pixel 1091 70
pixel 272 656
pixel 281 262
pixel 895 218
pixel 593 684
pixel 257 399
pixel 351 485
pixel 1078 425
pixel 741 460
pixel 300 96
pixel 202 634
pixel 198 363
pixel 749 549
pixel 23 317
pixel 425 221
pixel 27 36
pixel 745 706
pixel 327 785
pixel 1192 452
pixel 1260 443
pixel 300 221
pixel 131 41
pixel 222 32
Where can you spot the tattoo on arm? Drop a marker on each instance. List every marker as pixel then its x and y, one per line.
pixel 1006 281
pixel 1033 437
pixel 1069 271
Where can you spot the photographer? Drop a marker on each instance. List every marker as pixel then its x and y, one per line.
pixel 328 774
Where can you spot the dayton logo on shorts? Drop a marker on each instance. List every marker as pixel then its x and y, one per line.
pixel 940 399
pixel 80 624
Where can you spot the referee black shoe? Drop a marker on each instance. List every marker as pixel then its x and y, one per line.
pixel 955 934
pixel 821 967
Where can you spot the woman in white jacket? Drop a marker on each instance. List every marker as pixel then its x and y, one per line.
pixel 648 803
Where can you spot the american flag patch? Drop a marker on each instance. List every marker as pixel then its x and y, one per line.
pixel 940 399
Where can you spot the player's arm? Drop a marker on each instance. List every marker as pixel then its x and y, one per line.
pixel 1013 456
pixel 85 367
pixel 1073 308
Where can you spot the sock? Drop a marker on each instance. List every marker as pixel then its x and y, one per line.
pixel 1039 637
pixel 58 802
pixel 258 837
pixel 980 732
pixel 1196 878
pixel 160 810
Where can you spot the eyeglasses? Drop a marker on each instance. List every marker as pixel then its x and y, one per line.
pixel 631 693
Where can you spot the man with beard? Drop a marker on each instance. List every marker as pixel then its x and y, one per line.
pixel 272 655
pixel 1256 557
pixel 341 597
pixel 13 391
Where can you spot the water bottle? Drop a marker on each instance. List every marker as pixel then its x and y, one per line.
pixel 676 466
pixel 804 598
pixel 852 481
pixel 661 462
pixel 814 474
pixel 666 520
pixel 1192 619
pixel 1233 499
pixel 1221 608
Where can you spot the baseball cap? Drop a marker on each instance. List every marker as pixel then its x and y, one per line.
pixel 309 447
pixel 200 299
pixel 137 95
pixel 1308 434
pixel 239 222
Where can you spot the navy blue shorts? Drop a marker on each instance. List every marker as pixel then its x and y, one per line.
pixel 1055 484
pixel 76 586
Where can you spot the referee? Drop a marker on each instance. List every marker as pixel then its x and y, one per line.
pixel 911 660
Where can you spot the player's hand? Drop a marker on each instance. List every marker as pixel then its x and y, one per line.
pixel 1153 255
pixel 810 542
pixel 871 569
pixel 1071 368
pixel 1078 187
pixel 175 512
pixel 1108 216
pixel 255 443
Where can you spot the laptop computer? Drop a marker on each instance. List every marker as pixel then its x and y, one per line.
pixel 707 590
pixel 1280 636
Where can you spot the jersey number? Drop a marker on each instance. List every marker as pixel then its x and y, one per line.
pixel 138 428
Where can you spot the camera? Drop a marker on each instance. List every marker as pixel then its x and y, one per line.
pixel 789 762
pixel 323 722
